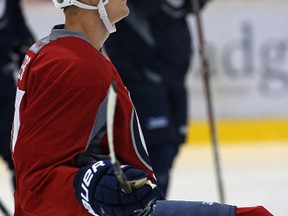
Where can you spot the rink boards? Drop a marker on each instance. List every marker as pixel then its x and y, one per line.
pixel 239 131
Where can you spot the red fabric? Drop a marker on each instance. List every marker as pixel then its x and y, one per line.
pixel 253 211
pixel 61 95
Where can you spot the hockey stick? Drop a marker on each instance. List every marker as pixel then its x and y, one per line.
pixel 205 76
pixel 111 105
pixel 4 209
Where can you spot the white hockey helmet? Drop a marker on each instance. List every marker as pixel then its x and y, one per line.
pixel 100 7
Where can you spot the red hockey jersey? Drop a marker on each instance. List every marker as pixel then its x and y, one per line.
pixel 60 108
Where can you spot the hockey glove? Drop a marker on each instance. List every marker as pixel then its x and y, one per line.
pixel 98 190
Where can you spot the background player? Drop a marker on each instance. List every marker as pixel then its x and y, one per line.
pixel 15 39
pixel 152 52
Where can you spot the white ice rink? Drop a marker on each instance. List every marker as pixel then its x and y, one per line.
pixel 253 174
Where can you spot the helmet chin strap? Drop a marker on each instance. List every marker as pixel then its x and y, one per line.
pixel 102 12
pixel 104 16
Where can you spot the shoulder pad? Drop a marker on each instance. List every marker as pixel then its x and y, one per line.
pixel 36 47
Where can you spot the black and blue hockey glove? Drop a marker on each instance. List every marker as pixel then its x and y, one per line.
pixel 99 191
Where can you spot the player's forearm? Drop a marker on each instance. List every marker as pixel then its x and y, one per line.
pixel 189 208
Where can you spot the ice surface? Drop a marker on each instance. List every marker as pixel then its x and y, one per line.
pixel 253 174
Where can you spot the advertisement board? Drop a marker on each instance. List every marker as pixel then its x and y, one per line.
pixel 247 48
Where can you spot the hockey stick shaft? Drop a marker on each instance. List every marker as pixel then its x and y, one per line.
pixel 111 106
pixel 206 81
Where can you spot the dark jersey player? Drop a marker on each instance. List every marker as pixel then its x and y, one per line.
pixel 15 39
pixel 59 141
pixel 152 51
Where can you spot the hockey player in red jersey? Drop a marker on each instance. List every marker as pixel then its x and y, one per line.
pixel 60 112
pixel 59 143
